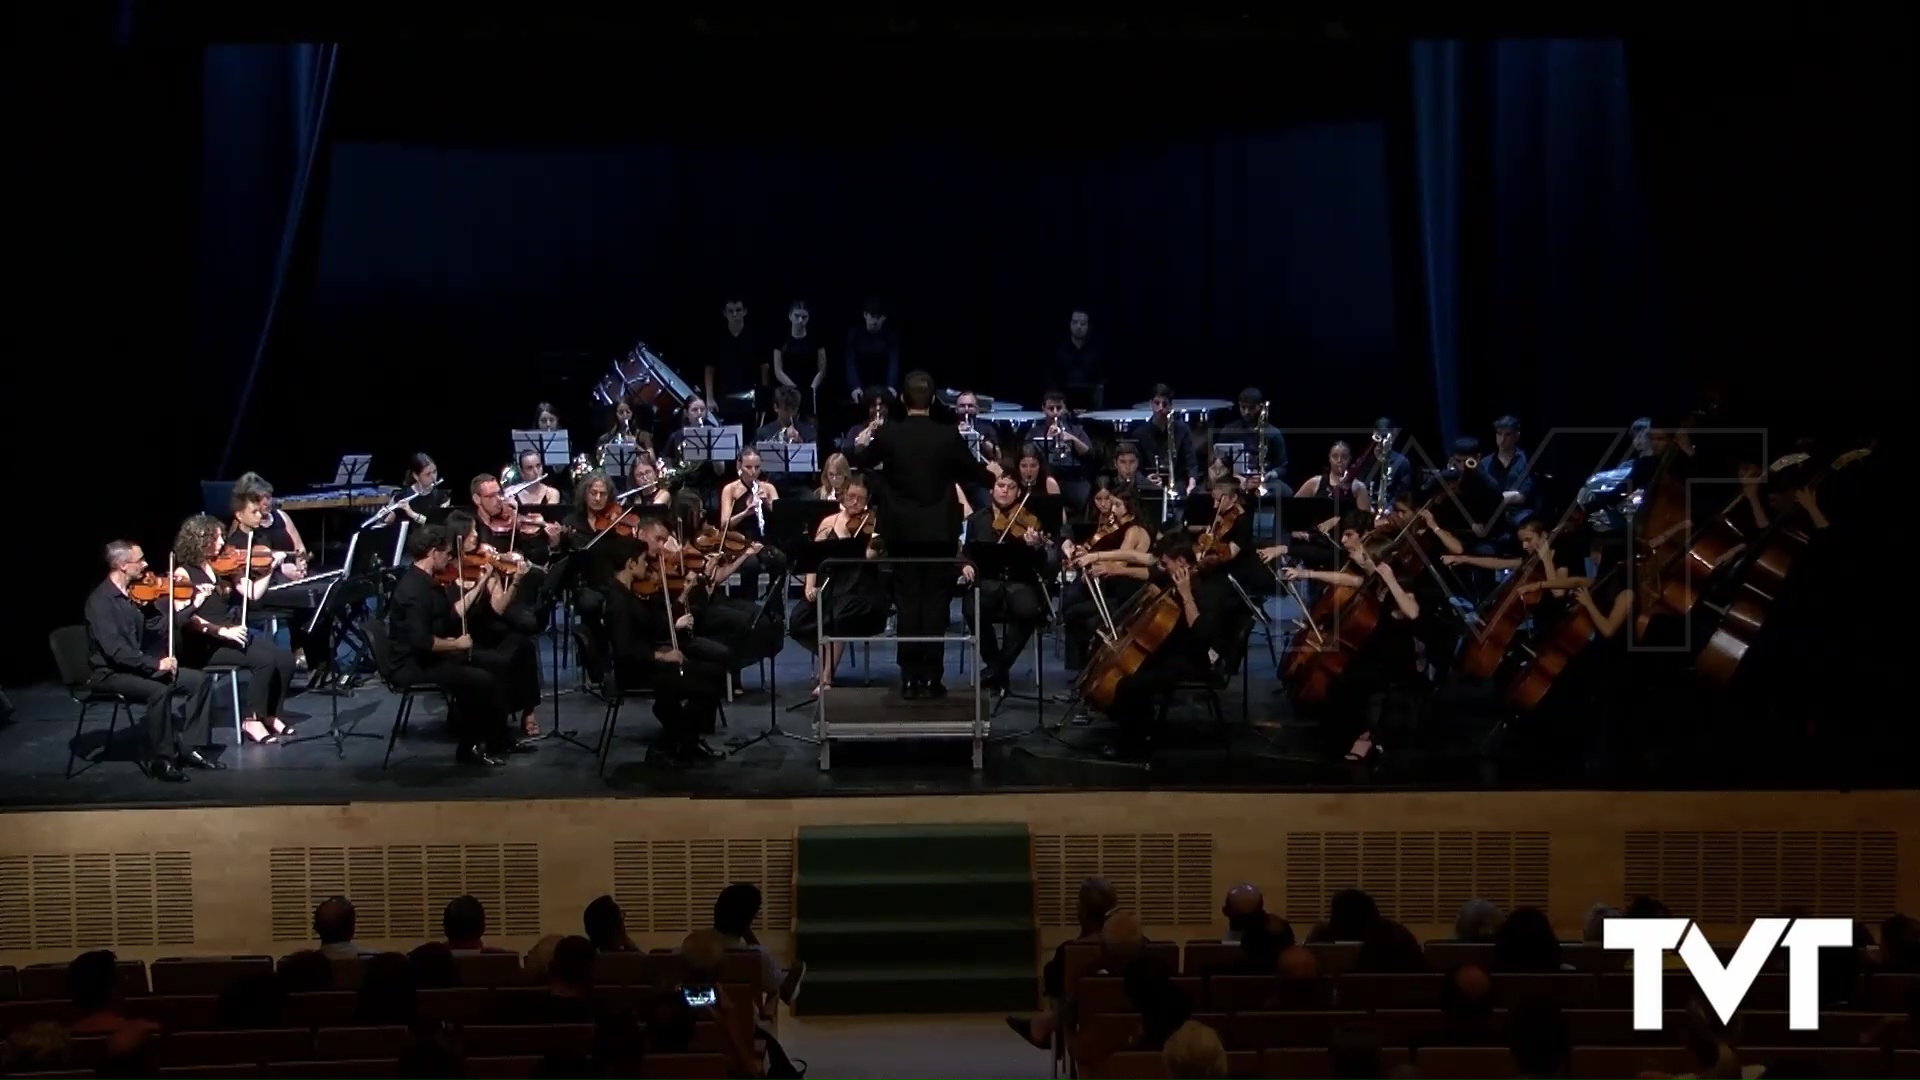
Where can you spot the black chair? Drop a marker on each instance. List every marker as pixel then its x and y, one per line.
pixel 69 645
pixel 614 696
pixel 383 663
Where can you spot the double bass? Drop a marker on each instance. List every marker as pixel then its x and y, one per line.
pixel 1762 574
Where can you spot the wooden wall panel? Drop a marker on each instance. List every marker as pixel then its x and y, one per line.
pixel 235 879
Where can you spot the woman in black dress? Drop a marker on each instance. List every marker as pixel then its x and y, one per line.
pixel 855 597
pixel 504 626
pixel 212 631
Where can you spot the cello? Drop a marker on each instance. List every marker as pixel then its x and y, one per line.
pixel 1509 607
pixel 1150 621
pixel 1352 612
pixel 1553 654
pixel 1762 574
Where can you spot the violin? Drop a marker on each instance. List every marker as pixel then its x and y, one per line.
pixel 259 561
pixel 613 517
pixel 1211 547
pixel 678 574
pixel 712 541
pixel 475 565
pixel 151 587
pixel 1016 523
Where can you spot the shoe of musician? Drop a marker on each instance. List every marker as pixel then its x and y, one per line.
pixel 700 750
pixel 935 689
pixel 164 769
pixel 476 755
pixel 194 759
pixel 913 690
pixel 660 756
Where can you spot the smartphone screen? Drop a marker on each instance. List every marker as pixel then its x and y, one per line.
pixel 698 995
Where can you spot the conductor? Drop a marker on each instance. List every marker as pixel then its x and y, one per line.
pixel 924 462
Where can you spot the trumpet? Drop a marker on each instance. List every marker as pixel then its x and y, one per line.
pixel 1469 463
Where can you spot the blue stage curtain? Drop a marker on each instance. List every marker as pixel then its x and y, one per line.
pixel 265 112
pixel 1528 214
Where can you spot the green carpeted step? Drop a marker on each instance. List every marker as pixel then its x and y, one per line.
pixel 884 894
pixel 902 848
pixel 916 942
pixel 950 988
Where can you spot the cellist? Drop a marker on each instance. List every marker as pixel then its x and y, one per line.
pixel 1108 559
pixel 1384 675
pixel 1184 656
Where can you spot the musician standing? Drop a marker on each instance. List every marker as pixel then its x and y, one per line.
pixel 1266 447
pixel 1510 470
pixel 736 363
pixel 873 352
pixel 1079 363
pixel 926 463
pixel 1016 601
pixel 120 652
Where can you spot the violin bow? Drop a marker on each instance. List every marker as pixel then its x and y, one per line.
pixel 246 577
pixel 1015 516
pixel 172 608
pixel 666 596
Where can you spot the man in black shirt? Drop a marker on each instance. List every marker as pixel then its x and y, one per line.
pixel 1013 600
pixel 428 646
pixel 1510 471
pixel 737 363
pixel 926 464
pixel 1252 435
pixel 686 690
pixel 1182 657
pixel 1079 364
pixel 119 636
pixel 787 428
pixel 873 352
pixel 1166 443
pixel 1382 466
pixel 1064 447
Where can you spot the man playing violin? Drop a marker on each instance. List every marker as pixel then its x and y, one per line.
pixel 503 625
pixel 727 630
pixel 254 527
pixel 854 597
pixel 121 636
pixel 210 629
pixel 744 505
pixel 505 527
pixel 1185 654
pixel 1016 601
pixel 645 655
pixel 699 678
pixel 430 644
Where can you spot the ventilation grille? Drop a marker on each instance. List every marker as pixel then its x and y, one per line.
pixel 668 886
pixel 95 900
pixel 398 892
pixel 1420 878
pixel 1165 878
pixel 1734 877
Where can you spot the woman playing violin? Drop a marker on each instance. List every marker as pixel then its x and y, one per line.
pixel 255 530
pixel 1013 597
pixel 855 598
pixel 210 629
pixel 274 528
pixel 491 589
pixel 1378 688
pixel 1116 557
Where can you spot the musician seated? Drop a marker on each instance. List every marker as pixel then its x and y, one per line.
pixel 646 655
pixel 1166 444
pixel 533 473
pixel 1532 537
pixel 504 527
pixel 644 487
pixel 1184 655
pixel 1017 601
pixel 210 628
pixel 1261 442
pixel 834 474
pixel 878 402
pixel 1065 446
pixel 423 496
pixel 430 646
pixel 731 631
pixel 504 626
pixel 786 425
pixel 744 504
pixel 125 655
pixel 854 599
pixel 255 525
pixel 1468 503
pixel 1114 561
pixel 1376 690
pixel 1338 483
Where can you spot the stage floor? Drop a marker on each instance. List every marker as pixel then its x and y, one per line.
pixel 1271 752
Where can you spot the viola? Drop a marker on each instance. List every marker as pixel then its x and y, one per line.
pixel 150 587
pixel 682 567
pixel 1212 546
pixel 475 565
pixel 1015 524
pixel 622 523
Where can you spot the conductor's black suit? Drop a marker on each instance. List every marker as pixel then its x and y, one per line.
pixel 924 459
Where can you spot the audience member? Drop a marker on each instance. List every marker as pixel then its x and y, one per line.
pixel 130 1053
pixel 464 922
pixel 305 972
pixel 1096 901
pixel 1244 906
pixel 41 1047
pixel 1646 907
pixel 569 996
pixel 433 966
pixel 1526 943
pixel 1298 963
pixel 1477 921
pixel 1194 1052
pixel 1261 944
pixel 539 957
pixel 255 1002
pixel 333 925
pixel 1350 915
pixel 734 912
pixel 1539 1039
pixel 606 926
pixel 1466 1007
pixel 1593 928
pixel 386 994
pixel 93 985
pixel 1390 949
pixel 432 1056
pixel 704 951
pixel 1900 945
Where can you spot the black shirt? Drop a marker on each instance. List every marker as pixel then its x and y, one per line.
pixel 1245 434
pixel 1063 458
pixel 873 358
pixel 925 460
pixel 636 626
pixel 222 608
pixel 775 431
pixel 1077 366
pixel 736 361
pixel 419 612
pixel 119 631
pixel 1163 448
pixel 800 358
pixel 272 534
pixel 1516 475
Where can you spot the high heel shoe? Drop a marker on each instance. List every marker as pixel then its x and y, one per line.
pixel 279 727
pixel 1362 749
pixel 256 732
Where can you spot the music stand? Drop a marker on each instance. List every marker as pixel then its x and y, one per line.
pixel 778 457
pixel 341 595
pixel 617 457
pixel 812 554
pixel 710 445
pixel 352 471
pixel 973 439
pixel 1235 455
pixel 556 574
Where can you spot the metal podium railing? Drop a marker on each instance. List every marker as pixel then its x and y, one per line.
pixel 940 723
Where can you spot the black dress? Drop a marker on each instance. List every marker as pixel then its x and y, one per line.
pixel 269 667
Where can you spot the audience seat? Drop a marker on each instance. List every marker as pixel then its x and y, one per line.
pixel 1464 1062
pixel 489 969
pixel 356 1069
pixel 9 983
pixel 39 982
pixel 204 975
pixel 244 1071
pixel 1612 1062
pixel 236 1047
